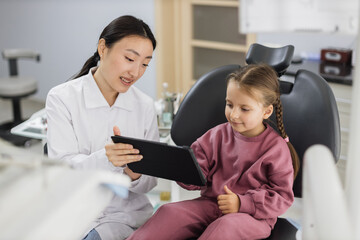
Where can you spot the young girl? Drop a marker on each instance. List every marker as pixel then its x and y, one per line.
pixel 83 113
pixel 247 165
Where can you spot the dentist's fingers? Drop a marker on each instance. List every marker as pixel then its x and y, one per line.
pixel 120 161
pixel 116 131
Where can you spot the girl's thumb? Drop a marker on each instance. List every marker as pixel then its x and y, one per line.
pixel 227 190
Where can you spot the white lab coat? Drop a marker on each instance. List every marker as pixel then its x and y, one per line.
pixel 80 123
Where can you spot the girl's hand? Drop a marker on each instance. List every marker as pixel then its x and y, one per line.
pixel 120 154
pixel 228 202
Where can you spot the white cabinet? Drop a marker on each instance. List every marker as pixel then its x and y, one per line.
pixel 343 99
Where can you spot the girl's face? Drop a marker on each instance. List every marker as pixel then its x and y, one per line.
pixel 244 112
pixel 123 64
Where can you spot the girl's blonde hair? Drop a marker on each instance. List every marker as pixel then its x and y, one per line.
pixel 264 79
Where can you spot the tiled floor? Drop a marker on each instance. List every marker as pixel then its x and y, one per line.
pixel 28 107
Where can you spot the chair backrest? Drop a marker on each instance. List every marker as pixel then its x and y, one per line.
pixel 203 107
pixel 310 117
pixel 309 107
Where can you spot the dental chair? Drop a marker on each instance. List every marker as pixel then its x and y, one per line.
pixel 15 88
pixel 310 112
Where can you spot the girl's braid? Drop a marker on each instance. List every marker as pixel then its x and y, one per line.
pixel 279 117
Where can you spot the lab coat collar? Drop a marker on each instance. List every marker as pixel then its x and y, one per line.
pixel 94 98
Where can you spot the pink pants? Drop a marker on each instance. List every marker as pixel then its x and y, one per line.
pixel 200 218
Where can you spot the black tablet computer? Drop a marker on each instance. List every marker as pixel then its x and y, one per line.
pixel 165 161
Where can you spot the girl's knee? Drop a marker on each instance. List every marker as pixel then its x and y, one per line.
pixel 168 210
pixel 238 225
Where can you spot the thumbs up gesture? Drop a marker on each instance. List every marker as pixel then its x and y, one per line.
pixel 228 202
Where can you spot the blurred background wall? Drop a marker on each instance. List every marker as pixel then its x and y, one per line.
pixel 65 33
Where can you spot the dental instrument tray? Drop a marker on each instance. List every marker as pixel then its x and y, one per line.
pixel 176 163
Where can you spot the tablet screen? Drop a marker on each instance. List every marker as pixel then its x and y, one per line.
pixel 165 161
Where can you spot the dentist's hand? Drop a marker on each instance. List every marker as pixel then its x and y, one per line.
pixel 120 154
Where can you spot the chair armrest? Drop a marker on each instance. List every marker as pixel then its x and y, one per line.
pixel 325 213
pixel 20 53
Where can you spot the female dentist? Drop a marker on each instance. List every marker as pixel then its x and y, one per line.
pixel 100 102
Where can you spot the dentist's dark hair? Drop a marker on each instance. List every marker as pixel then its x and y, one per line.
pixel 116 30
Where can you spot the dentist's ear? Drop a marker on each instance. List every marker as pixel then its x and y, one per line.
pixel 101 47
pixel 116 131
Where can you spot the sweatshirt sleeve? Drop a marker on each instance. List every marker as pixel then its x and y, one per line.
pixel 273 198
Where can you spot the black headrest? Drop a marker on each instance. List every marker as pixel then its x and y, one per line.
pixel 278 58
